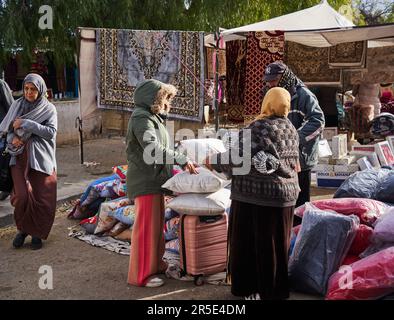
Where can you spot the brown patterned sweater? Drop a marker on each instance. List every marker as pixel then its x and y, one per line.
pixel 275 135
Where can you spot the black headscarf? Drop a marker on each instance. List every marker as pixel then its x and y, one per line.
pixel 290 81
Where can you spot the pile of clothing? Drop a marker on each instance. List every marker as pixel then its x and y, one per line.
pixel 344 249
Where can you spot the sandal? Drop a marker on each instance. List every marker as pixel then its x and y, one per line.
pixel 154 282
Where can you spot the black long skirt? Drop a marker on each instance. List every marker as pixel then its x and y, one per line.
pixel 259 240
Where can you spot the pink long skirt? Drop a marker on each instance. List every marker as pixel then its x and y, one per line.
pixel 147 239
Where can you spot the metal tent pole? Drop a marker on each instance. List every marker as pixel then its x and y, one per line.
pixel 216 102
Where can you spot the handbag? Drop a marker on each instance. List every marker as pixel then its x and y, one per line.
pixel 6 182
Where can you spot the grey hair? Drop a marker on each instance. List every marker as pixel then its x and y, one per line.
pixel 161 97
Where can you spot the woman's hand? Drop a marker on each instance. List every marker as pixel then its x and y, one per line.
pixel 189 166
pixel 17 123
pixel 207 164
pixel 17 142
pixel 298 166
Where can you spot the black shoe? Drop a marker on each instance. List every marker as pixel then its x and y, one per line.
pixel 4 195
pixel 36 243
pixel 19 240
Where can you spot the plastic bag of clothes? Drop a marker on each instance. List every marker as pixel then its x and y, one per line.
pixel 367 210
pixel 385 190
pixel 367 279
pixel 362 184
pixel 375 247
pixel 361 241
pixel 384 228
pixel 322 244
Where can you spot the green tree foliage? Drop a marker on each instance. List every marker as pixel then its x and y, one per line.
pixel 20 29
pixel 369 12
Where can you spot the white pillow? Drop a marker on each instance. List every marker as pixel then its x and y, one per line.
pixel 198 149
pixel 203 182
pixel 200 204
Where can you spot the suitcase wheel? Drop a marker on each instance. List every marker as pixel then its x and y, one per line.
pixel 198 280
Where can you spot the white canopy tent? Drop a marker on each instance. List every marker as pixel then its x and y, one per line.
pixel 317 26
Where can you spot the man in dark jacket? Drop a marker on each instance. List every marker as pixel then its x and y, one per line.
pixel 6 100
pixel 306 116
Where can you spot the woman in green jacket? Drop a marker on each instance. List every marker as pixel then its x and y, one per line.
pixel 150 162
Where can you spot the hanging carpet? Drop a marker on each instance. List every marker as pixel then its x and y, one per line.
pixel 127 57
pixel 263 48
pixel 235 79
pixel 310 64
pixel 348 55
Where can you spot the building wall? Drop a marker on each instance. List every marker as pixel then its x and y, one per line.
pixel 67 112
pixel 380 67
pixel 108 122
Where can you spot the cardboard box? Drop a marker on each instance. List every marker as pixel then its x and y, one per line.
pixel 339 146
pixel 364 163
pixel 372 157
pixel 327 160
pixel 346 168
pixel 331 179
pixel 324 149
pixel 323 168
pixel 349 159
pixel 367 147
pixel 329 133
pixel 385 155
pixel 390 139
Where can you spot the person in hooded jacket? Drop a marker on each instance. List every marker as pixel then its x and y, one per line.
pixel 150 162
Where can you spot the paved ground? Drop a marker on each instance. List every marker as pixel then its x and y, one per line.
pixel 81 271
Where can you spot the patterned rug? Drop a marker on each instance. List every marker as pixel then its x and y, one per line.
pixel 263 48
pixel 235 79
pixel 210 72
pixel 127 57
pixel 348 55
pixel 310 64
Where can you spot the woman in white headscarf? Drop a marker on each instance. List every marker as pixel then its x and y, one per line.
pixel 31 125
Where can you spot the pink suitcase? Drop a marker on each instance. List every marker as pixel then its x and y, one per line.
pixel 203 245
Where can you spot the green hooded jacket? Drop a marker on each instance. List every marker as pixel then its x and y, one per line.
pixel 148 170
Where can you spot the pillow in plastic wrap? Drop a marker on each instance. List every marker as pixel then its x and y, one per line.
pixel 361 241
pixel 370 278
pixel 385 190
pixel 362 184
pixel 384 227
pixel 322 244
pixel 368 210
